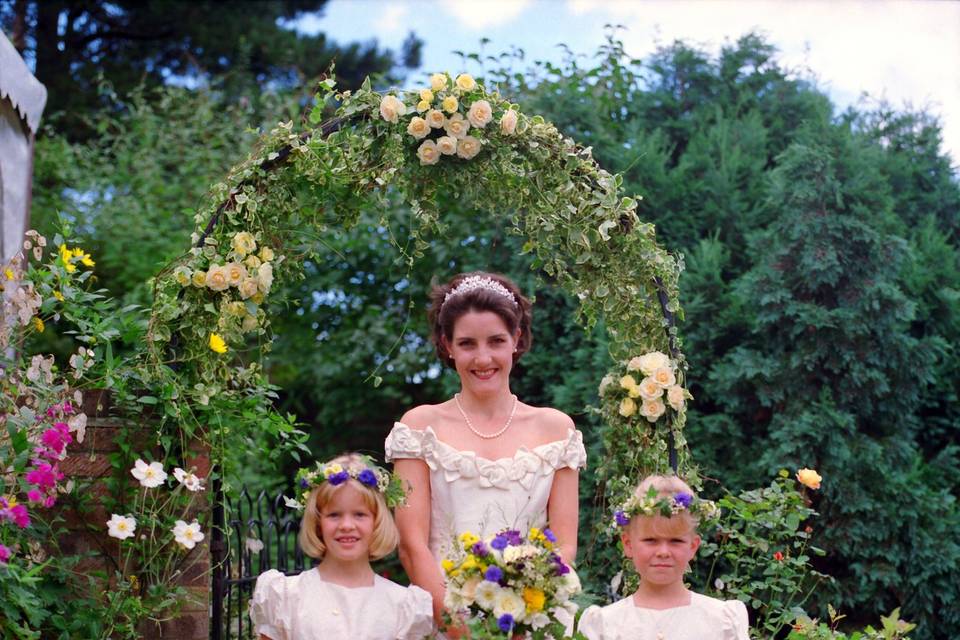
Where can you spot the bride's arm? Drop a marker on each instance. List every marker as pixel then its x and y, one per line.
pixel 413 521
pixel 563 511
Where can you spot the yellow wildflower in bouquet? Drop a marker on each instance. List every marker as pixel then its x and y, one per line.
pixel 648 388
pixel 511 584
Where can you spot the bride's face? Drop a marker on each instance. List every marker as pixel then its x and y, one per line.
pixel 482 348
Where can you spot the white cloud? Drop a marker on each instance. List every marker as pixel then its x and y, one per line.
pixel 391 19
pixel 482 14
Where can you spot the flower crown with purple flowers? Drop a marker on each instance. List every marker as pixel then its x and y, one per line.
pixel 365 472
pixel 654 504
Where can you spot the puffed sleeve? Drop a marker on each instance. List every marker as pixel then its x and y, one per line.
pixel 415 615
pixel 574 453
pixel 403 442
pixel 591 623
pixel 736 624
pixel 266 606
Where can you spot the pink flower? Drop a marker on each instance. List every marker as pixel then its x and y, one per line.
pixel 4 554
pixel 67 407
pixel 20 516
pixel 44 476
pixel 57 437
pixel 50 501
pixel 34 495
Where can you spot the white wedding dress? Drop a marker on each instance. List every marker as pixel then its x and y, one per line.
pixel 471 493
pixel 705 618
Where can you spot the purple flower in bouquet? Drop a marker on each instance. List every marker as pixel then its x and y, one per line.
pixel 493 574
pixel 338 478
pixel 499 543
pixel 368 478
pixel 505 622
pixel 561 567
pixel 480 550
pixel 513 537
pixel 549 535
pixel 683 499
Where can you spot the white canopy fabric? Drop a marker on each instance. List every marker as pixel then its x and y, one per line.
pixel 22 99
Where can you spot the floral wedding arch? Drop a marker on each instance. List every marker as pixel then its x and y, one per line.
pixel 453 136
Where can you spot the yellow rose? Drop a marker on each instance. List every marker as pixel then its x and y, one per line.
pixel 534 598
pixel 266 254
pixel 236 273
pixel 465 82
pixel 627 407
pixel 676 397
pixel 418 128
pixel 447 145
pixel 249 288
pixel 426 95
pixel 391 109
pixel 456 126
pixel 252 262
pixel 468 147
pixel 650 362
pixel 450 104
pixel 438 81
pixel 182 275
pixel 217 344
pixel 809 478
pixel 650 389
pixel 652 409
pixel 265 277
pixel 428 153
pixel 243 243
pixel 199 278
pixel 664 377
pixel 628 382
pixel 508 122
pixel 422 106
pixel 480 114
pixel 217 278
pixel 436 119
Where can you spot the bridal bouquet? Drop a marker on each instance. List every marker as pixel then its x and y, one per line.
pixel 511 585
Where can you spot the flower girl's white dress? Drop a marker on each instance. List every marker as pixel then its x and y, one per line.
pixel 705 618
pixel 471 493
pixel 306 607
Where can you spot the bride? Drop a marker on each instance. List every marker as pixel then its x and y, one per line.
pixel 482 461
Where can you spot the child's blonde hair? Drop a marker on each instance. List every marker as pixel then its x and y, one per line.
pixel 667 487
pixel 385 535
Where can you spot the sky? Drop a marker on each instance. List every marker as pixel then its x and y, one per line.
pixel 907 51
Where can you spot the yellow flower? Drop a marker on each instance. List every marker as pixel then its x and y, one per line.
pixel 38 324
pixel 332 469
pixel 217 344
pixel 450 104
pixel 11 501
pixel 809 478
pixel 243 243
pixel 469 563
pixel 536 534
pixel 84 257
pixel 466 82
pixel 628 407
pixel 534 598
pixel 8 272
pixel 426 95
pixel 266 254
pixel 199 279
pixel 422 106
pixel 58 296
pixel 66 258
pixel 447 565
pixel 438 81
pixel 468 539
pixel 628 382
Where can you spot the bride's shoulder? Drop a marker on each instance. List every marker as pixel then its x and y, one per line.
pixel 555 424
pixel 422 416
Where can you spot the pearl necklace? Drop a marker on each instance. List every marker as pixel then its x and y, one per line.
pixel 485 436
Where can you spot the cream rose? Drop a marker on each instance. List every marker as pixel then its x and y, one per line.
pixel 456 126
pixel 676 397
pixel 465 82
pixel 508 122
pixel 217 278
pixel 468 147
pixel 391 109
pixel 252 262
pixel 236 273
pixel 627 407
pixel 650 389
pixel 436 119
pixel 248 288
pixel 182 275
pixel 652 409
pixel 664 377
pixel 265 277
pixel 249 323
pixel 199 278
pixel 266 254
pixel 422 106
pixel 450 104
pixel 480 114
pixel 426 95
pixel 628 382
pixel 438 81
pixel 428 153
pixel 447 145
pixel 243 243
pixel 809 478
pixel 650 362
pixel 418 128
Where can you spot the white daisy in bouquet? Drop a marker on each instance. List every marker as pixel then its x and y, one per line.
pixel 511 584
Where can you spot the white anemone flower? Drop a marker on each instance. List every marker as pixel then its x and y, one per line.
pixel 188 479
pixel 150 475
pixel 187 535
pixel 121 527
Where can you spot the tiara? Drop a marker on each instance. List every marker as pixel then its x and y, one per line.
pixel 472 283
pixel 364 471
pixel 654 504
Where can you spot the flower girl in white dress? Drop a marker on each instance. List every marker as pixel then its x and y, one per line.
pixel 482 461
pixel 346 523
pixel 659 525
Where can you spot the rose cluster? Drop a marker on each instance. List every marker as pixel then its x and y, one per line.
pixel 655 391
pixel 446 113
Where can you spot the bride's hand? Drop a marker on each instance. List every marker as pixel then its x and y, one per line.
pixel 457 628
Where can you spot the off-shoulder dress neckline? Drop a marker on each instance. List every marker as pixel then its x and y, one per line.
pixel 521 450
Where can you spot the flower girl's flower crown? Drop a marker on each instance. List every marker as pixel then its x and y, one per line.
pixel 472 283
pixel 653 504
pixel 366 473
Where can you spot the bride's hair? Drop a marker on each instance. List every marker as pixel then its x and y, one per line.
pixel 482 291
pixel 385 535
